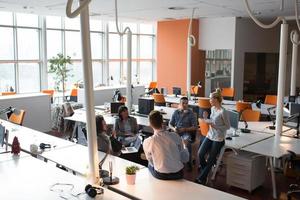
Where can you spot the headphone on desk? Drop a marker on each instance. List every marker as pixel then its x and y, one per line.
pixel 44 146
pixel 93 191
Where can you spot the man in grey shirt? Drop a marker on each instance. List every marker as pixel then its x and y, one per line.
pixel 184 122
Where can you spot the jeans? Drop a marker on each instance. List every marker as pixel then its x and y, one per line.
pixel 213 148
pixel 165 176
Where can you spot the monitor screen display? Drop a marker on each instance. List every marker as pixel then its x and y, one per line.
pixel 177 91
pixel 114 107
pixel 2 135
pixel 234 118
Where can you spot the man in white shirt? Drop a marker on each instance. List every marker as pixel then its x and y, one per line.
pixel 165 151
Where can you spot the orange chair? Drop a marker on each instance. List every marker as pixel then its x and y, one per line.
pixel 228 93
pixel 271 99
pixel 204 127
pixel 153 85
pixel 203 102
pixel 250 115
pixel 7 93
pixel 73 95
pixel 240 106
pixel 194 90
pixel 17 117
pixel 159 99
pixel 49 92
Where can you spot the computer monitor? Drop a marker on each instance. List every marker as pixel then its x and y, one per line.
pixel 234 118
pixel 2 135
pixel 177 91
pixel 114 107
pixel 292 99
pixel 146 105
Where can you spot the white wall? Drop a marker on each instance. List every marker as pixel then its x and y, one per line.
pixel 216 33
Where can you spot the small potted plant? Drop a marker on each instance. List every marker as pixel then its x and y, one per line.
pixel 131 174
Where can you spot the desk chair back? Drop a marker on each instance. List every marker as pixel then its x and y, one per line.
pixel 250 115
pixel 73 95
pixel 8 93
pixel 50 93
pixel 271 99
pixel 159 99
pixel 194 90
pixel 204 127
pixel 241 105
pixel 153 85
pixel 228 93
pixel 17 117
pixel 204 103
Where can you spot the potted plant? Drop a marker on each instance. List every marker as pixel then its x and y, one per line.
pixel 58 66
pixel 131 174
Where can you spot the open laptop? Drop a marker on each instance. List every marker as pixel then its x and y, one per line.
pixel 133 149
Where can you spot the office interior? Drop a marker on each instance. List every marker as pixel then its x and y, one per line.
pixel 178 48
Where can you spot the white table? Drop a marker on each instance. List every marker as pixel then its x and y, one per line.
pixel 76 159
pixel 275 147
pixel 30 178
pixel 148 187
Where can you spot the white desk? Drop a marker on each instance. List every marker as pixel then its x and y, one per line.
pixel 275 147
pixel 76 159
pixel 30 178
pixel 148 187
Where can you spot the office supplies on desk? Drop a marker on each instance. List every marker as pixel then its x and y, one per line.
pixel 133 149
pixel 110 180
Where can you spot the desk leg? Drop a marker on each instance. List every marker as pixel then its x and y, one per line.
pixel 76 126
pixel 218 163
pixel 273 178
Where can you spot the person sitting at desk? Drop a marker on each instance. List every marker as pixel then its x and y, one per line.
pixel 125 128
pixel 165 151
pixel 219 123
pixel 184 122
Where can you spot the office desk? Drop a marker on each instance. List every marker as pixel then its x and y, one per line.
pixel 275 147
pixel 28 136
pixel 9 156
pixel 30 178
pixel 76 159
pixel 148 187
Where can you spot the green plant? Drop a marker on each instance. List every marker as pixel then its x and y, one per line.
pixel 132 169
pixel 58 66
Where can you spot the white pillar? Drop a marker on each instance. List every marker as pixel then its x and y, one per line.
pixel 129 62
pixel 281 77
pixel 89 95
pixel 294 64
pixel 188 68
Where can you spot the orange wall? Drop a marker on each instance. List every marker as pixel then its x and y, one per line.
pixel 172 55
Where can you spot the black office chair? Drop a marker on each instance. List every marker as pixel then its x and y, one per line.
pixel 293 163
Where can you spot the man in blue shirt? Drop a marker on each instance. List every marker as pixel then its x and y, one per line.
pixel 184 122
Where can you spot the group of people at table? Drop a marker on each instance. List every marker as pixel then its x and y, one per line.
pixel 168 149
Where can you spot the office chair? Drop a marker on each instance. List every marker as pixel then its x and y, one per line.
pixel 7 93
pixel 204 127
pixel 194 90
pixel 204 103
pixel 250 115
pixel 73 95
pixel 227 93
pixel 159 99
pixel 241 105
pixel 271 99
pixel 293 167
pixel 49 92
pixel 17 117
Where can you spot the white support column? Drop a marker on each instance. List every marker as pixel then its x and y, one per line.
pixel 281 77
pixel 294 64
pixel 129 62
pixel 188 68
pixel 89 95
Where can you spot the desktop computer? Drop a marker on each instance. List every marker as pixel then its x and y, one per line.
pixel 234 118
pixel 146 105
pixel 176 91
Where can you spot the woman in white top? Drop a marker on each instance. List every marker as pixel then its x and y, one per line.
pixel 219 123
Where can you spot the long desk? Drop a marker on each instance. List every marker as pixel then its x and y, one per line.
pixel 148 187
pixel 30 178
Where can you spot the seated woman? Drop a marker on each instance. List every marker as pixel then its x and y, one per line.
pixel 102 137
pixel 125 127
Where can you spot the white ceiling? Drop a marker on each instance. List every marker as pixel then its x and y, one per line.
pixel 155 10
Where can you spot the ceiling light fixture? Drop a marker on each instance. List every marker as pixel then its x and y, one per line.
pixel 176 8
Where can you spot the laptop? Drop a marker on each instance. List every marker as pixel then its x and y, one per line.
pixel 133 149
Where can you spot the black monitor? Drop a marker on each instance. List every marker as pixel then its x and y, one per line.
pixel 234 118
pixel 114 107
pixel 177 91
pixel 146 105
pixel 292 99
pixel 2 135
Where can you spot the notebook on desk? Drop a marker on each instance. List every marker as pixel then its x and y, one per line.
pixel 133 149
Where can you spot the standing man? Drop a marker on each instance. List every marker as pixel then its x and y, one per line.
pixel 184 122
pixel 165 151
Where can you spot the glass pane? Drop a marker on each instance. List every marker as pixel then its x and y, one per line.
pixel 7 77
pixel 114 46
pixel 96 45
pixel 29 77
pixel 72 23
pixel 134 77
pixel 147 28
pixel 146 47
pixel 28 44
pixel 6 44
pixel 95 25
pixel 132 26
pixel 6 18
pixel 114 73
pixel 53 22
pixel 76 74
pixel 145 73
pixel 27 20
pixel 51 80
pixel 112 26
pixel 54 43
pixel 133 47
pixel 97 74
pixel 73 44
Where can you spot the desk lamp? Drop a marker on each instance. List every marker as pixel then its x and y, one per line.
pixel 244 130
pixel 258 104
